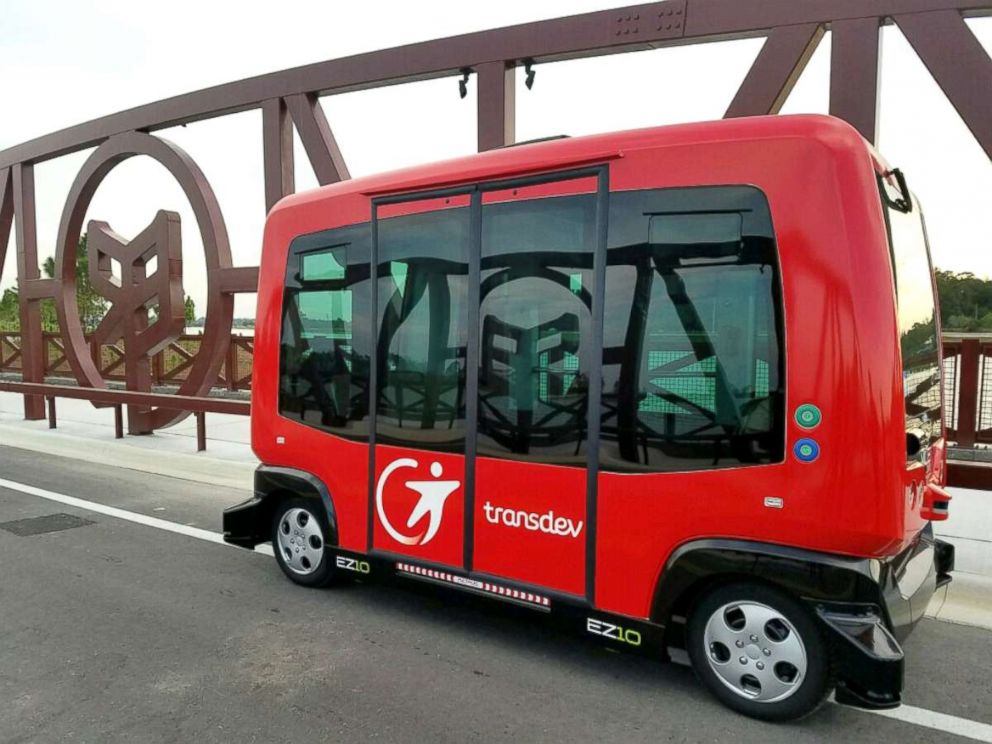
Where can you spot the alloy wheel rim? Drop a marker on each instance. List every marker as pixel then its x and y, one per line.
pixel 300 541
pixel 755 651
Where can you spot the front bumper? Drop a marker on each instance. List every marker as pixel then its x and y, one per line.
pixel 244 523
pixel 865 635
pixel 907 581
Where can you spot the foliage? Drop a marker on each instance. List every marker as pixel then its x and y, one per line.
pixel 92 307
pixel 965 301
pixel 190 311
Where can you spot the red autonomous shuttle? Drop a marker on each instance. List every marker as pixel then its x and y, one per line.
pixel 680 386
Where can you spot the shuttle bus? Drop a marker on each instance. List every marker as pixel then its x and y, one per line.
pixel 680 387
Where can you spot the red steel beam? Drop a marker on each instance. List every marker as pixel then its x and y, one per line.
pixel 6 213
pixel 969 475
pixel 317 138
pixel 959 64
pixel 277 152
pixel 32 359
pixel 855 63
pixel 496 105
pixel 736 17
pixel 968 393
pixel 775 70
pixel 591 34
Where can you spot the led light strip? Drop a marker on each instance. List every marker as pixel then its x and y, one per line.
pixel 481 586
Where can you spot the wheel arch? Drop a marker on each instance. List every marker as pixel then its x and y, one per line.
pixel 248 523
pixel 696 567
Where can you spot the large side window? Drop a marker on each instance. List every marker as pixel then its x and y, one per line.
pixel 917 318
pixel 692 358
pixel 535 328
pixel 325 347
pixel 422 329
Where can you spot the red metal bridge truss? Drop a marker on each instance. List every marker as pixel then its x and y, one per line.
pixel 936 29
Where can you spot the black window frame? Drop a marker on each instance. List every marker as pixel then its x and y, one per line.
pixel 475 192
pixel 722 198
pixel 300 247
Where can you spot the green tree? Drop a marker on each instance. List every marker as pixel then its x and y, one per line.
pixel 9 311
pixel 190 311
pixel 92 306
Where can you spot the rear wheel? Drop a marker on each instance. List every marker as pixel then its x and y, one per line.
pixel 299 541
pixel 760 652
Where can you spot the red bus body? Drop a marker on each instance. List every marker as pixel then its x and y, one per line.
pixel 858 503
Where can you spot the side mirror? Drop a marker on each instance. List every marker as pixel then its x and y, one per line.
pixel 914 443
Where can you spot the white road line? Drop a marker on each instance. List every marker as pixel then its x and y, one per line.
pixel 130 516
pixel 906 713
pixel 939 722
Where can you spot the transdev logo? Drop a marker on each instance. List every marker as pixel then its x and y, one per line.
pixel 433 495
pixel 533 521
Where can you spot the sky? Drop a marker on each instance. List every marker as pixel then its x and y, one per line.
pixel 64 62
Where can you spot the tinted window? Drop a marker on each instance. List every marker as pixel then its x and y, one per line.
pixel 324 353
pixel 917 319
pixel 535 328
pixel 423 275
pixel 692 362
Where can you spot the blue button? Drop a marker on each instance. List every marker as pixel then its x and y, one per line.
pixel 806 450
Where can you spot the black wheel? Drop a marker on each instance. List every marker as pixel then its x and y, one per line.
pixel 299 535
pixel 760 652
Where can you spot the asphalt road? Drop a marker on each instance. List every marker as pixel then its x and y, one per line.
pixel 118 632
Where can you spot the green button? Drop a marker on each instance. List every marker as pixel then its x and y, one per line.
pixel 808 416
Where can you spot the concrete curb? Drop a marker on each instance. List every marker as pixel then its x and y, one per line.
pixel 967 600
pixel 199 467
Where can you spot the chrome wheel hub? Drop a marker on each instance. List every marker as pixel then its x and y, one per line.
pixel 755 651
pixel 300 541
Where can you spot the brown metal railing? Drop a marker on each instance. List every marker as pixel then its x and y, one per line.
pixel 168 367
pixel 968 408
pixel 117 399
pixel 967 389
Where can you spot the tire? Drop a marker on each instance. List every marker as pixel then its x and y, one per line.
pixel 299 541
pixel 760 652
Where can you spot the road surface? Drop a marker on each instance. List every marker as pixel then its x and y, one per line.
pixel 114 631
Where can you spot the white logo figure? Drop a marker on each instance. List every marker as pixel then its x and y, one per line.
pixel 433 494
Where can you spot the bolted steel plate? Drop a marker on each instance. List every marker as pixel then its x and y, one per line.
pixel 41 525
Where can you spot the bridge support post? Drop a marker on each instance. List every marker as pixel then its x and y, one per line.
pixel 968 393
pixel 32 341
pixel 496 105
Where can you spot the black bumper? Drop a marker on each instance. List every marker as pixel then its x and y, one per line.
pixel 244 522
pixel 908 581
pixel 865 636
pixel 249 523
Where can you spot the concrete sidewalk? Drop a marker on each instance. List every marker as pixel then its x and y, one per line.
pixel 87 433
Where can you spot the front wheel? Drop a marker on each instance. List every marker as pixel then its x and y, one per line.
pixel 299 534
pixel 760 652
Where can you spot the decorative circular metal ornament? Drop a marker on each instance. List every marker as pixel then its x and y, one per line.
pixel 217 253
pixel 808 416
pixel 806 450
